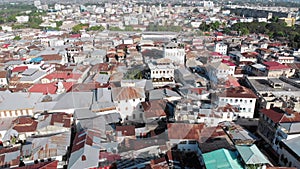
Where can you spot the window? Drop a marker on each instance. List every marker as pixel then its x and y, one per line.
pixel 249 110
pixel 245 101
pixel 134 100
pixel 241 100
pixel 141 115
pixel 133 116
pixel 230 100
pixel 236 100
pixel 250 101
pixel 83 158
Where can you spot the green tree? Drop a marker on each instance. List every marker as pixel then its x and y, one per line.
pixel 96 28
pixel 58 23
pixel 17 38
pixel 204 27
pixel 112 28
pixel 244 31
pixel 215 25
pixel 11 18
pixel 77 28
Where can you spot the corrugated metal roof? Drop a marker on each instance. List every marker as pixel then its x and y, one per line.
pixel 127 93
pixel 221 159
pixel 251 154
pixel 293 144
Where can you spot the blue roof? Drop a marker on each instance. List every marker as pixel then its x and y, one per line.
pixel 222 159
pixel 37 59
pixel 252 155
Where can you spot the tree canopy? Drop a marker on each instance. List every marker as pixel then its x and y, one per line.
pixel 276 30
pixel 96 28
pixel 171 28
pixel 77 28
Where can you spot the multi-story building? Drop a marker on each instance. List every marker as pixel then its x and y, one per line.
pixel 175 52
pixel 127 99
pixel 218 71
pixel 289 156
pixel 276 125
pixel 240 97
pixel 221 47
pixel 161 73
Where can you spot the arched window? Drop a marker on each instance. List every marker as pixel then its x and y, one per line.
pixel 83 158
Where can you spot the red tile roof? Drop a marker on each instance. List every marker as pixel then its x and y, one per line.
pixel 19 69
pixel 126 130
pixel 185 131
pixel 75 36
pixel 110 157
pixel 228 62
pixel 25 124
pixel 127 93
pixel 49 88
pixel 238 92
pixel 41 165
pixel 278 115
pixel 78 142
pixel 63 75
pixel 155 108
pixel 273 115
pixel 86 87
pixel 227 108
pixel 2 74
pixel 232 82
pixel 51 57
pixel 250 54
pixel 290 116
pixel 62 118
pixel 197 90
pixel 275 65
pixel 85 137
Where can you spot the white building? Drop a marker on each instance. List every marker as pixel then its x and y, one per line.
pixel 162 73
pixel 262 19
pixel 6 28
pixel 22 19
pixel 218 71
pixel 127 100
pixel 208 4
pixel 220 47
pixel 175 52
pixel 240 97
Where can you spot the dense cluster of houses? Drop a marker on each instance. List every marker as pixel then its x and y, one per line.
pixel 146 99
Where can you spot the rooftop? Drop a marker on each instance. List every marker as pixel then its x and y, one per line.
pixel 261 84
pixel 238 92
pixel 226 160
pixel 251 154
pixel 293 144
